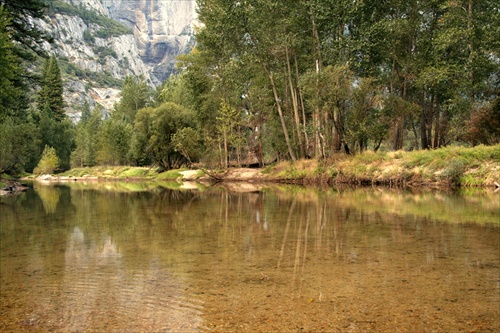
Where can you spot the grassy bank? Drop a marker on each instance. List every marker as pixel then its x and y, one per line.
pixel 121 173
pixel 450 166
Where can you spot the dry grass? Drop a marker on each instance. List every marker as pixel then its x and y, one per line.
pixel 479 166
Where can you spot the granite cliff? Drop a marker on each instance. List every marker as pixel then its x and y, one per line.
pixel 100 42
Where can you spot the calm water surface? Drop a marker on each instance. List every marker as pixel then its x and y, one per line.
pixel 141 258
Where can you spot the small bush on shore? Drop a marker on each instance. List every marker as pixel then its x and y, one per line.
pixel 48 163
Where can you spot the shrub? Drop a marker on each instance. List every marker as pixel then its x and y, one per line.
pixel 455 169
pixel 49 161
pixel 87 37
pixel 104 51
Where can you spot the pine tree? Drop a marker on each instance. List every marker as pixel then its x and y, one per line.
pixel 28 36
pixel 18 137
pixel 50 97
pixel 11 87
pixel 135 95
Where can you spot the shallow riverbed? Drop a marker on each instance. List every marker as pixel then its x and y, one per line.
pixel 139 257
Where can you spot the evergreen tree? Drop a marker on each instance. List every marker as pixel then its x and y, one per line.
pixel 18 136
pixel 135 95
pixel 59 135
pixel 28 36
pixel 50 96
pixel 85 112
pixel 114 142
pixel 86 137
pixel 56 130
pixel 12 89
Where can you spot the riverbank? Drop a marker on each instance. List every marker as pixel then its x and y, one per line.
pixel 450 166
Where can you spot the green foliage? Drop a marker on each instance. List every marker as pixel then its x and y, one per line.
pixel 57 134
pixel 50 96
pixel 176 90
pixel 104 52
pixel 86 138
pixel 56 130
pixel 114 142
pixel 87 37
pixel 228 126
pixel 187 141
pixel 12 89
pixel 307 80
pixel 323 77
pixel 292 173
pixel 154 130
pixel 18 144
pixel 27 36
pixel 454 169
pixel 48 163
pixel 136 95
pixel 140 138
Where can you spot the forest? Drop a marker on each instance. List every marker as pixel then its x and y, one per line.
pixel 267 82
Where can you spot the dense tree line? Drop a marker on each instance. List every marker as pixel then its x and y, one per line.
pixel 268 81
pixel 316 77
pixel 20 144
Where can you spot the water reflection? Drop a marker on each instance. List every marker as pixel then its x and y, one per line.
pixel 118 258
pixel 49 195
pixel 98 288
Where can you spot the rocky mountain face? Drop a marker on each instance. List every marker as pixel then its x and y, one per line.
pixel 95 53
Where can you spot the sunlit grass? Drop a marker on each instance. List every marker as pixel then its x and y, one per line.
pixel 169 175
pixel 136 172
pixel 452 165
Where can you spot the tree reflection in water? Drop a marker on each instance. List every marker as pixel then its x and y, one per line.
pixel 147 258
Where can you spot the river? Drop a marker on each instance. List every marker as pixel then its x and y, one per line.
pixel 140 257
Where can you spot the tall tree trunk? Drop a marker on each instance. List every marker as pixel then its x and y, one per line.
pixel 437 123
pixel 400 124
pixel 303 109
pixel 444 127
pixel 471 55
pixel 316 120
pixel 336 130
pixel 226 154
pixel 415 134
pixel 280 113
pixel 423 125
pixel 295 103
pixel 398 133
pixel 318 151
